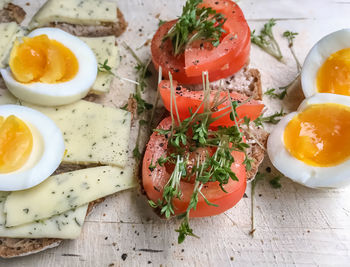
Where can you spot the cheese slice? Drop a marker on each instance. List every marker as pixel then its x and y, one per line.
pixel 64 192
pixel 3 3
pixel 67 225
pixel 84 12
pixel 8 34
pixel 105 49
pixel 93 134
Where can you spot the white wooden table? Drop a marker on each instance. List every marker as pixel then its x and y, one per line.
pixel 294 225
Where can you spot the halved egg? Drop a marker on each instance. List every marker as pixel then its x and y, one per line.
pixel 31 147
pixel 50 67
pixel 327 66
pixel 312 145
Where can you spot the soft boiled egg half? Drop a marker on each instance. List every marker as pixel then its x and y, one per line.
pixel 31 147
pixel 312 145
pixel 327 66
pixel 50 67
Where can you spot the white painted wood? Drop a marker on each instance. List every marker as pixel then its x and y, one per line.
pixel 295 226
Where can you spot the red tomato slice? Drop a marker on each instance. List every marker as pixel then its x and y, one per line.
pixel 221 62
pixel 190 100
pixel 154 181
pixel 162 55
pixel 232 48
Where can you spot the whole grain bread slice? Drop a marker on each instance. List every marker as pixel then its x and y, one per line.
pixel 11 13
pixel 104 29
pixel 247 81
pixel 17 247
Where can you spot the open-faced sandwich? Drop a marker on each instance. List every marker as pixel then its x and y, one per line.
pixel 59 155
pixel 198 160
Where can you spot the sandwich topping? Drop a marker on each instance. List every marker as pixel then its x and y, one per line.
pixel 210 36
pixel 42 59
pixel 193 167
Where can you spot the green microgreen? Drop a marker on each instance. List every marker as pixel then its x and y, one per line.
pixel 290 36
pixel 195 133
pixel 275 182
pixel 143 106
pixel 171 189
pixel 273 119
pixel 281 92
pixel 161 22
pixel 195 23
pixel 105 67
pixel 266 40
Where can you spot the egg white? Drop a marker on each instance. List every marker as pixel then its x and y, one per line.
pixel 298 171
pixel 47 153
pixel 58 93
pixel 319 53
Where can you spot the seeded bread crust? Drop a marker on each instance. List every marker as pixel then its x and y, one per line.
pixel 19 247
pixel 94 30
pixel 256 151
pixel 11 13
pixel 248 82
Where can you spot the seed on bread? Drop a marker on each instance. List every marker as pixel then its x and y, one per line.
pixel 12 12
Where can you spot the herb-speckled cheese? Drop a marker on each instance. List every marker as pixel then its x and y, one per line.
pixel 84 12
pixel 92 133
pixel 105 49
pixel 3 3
pixel 64 192
pixel 8 33
pixel 67 225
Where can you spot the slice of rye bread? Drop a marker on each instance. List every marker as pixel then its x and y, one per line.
pixel 248 82
pixel 11 13
pixel 17 247
pixel 94 30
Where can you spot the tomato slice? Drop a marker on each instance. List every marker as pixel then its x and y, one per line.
pixel 155 180
pixel 190 100
pixel 234 47
pixel 222 61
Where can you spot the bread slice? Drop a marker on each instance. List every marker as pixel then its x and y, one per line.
pixel 104 29
pixel 17 247
pixel 257 139
pixel 12 12
pixel 248 82
pixel 90 18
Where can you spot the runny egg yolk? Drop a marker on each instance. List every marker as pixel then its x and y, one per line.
pixel 16 143
pixel 320 135
pixel 40 59
pixel 334 75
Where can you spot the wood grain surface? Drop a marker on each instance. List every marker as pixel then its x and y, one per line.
pixel 295 225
